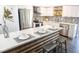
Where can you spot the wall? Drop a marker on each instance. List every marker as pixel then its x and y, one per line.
pixel 62 19
pixel 14 26
pixel 1 21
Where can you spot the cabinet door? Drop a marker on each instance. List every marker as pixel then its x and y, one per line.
pixel 66 11
pixel 49 11
pixel 70 11
pixel 43 11
pixel 46 11
pixel 72 31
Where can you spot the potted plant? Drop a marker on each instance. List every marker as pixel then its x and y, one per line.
pixel 7 15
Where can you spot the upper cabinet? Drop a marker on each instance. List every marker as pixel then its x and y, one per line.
pixel 57 11
pixel 70 11
pixel 36 12
pixel 64 11
pixel 51 11
pixel 36 9
pixel 46 11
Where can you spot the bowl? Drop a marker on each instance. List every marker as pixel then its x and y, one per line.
pixel 42 31
pixel 23 37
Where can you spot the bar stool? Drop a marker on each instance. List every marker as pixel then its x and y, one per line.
pixel 49 47
pixel 62 41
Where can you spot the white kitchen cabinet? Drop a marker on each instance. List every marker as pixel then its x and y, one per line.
pixel 70 11
pixel 69 30
pixel 46 11
pixel 72 31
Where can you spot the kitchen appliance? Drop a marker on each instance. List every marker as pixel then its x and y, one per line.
pixel 24 17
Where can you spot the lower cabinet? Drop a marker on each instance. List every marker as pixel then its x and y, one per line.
pixel 73 31
pixel 34 46
pixel 69 30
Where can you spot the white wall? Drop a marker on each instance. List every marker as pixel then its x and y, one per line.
pixel 14 26
pixel 1 21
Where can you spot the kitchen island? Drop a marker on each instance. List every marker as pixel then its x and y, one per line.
pixel 33 44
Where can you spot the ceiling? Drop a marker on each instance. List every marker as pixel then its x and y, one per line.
pixel 40 2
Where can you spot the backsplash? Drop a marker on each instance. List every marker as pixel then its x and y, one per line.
pixel 62 19
pixel 69 19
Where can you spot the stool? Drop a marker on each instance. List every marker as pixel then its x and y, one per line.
pixel 49 47
pixel 61 42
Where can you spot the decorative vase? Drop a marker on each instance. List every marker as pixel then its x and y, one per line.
pixel 5 30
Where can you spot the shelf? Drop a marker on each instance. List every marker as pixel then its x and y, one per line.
pixel 58 11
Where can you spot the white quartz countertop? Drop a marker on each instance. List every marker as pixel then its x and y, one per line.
pixel 68 23
pixel 9 43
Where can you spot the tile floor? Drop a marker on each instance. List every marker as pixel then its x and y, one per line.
pixel 73 45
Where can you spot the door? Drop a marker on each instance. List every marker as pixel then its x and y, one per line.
pixel 24 17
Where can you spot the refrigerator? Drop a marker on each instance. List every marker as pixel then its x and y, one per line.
pixel 24 18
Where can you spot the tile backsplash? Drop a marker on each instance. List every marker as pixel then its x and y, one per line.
pixel 62 19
